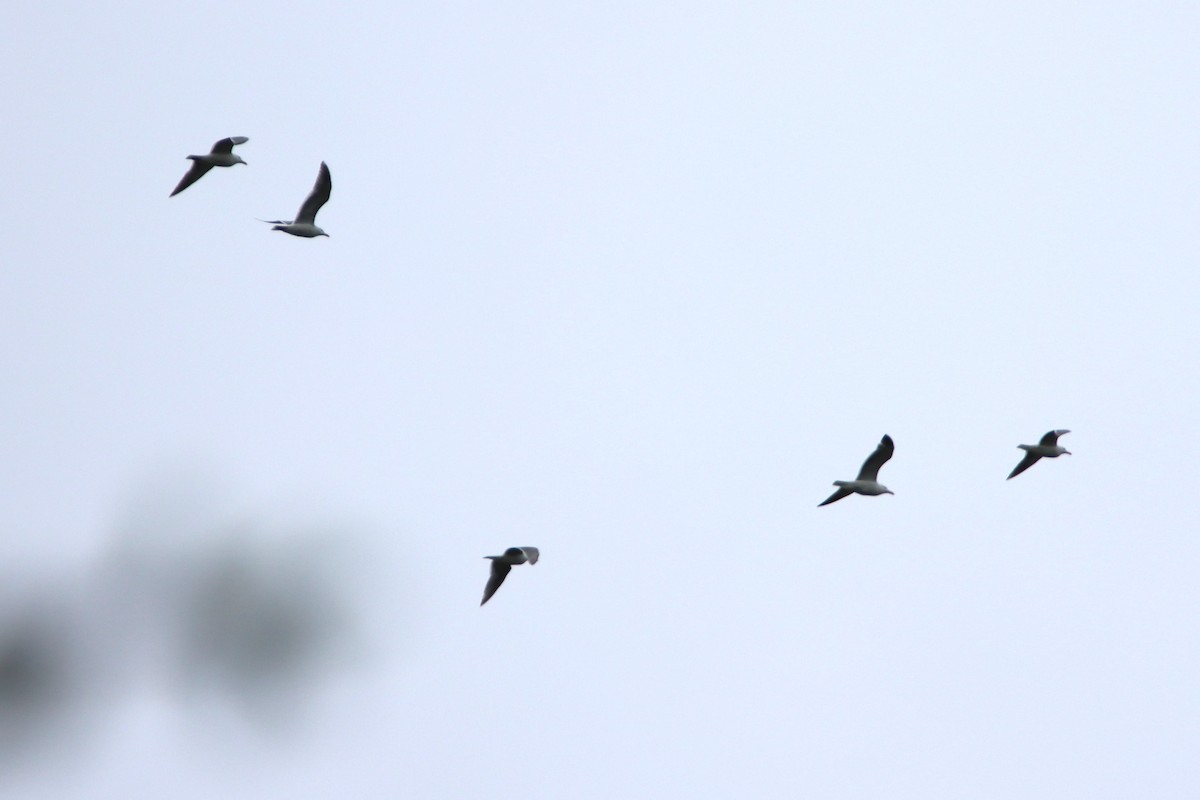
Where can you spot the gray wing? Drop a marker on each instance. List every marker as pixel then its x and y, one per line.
pixel 531 554
pixel 1028 461
pixel 316 198
pixel 194 174
pixel 870 467
pixel 838 495
pixel 226 144
pixel 500 571
pixel 1051 438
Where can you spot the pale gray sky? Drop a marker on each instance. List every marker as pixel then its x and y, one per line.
pixel 632 283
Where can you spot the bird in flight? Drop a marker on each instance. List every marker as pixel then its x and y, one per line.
pixel 502 564
pixel 1048 447
pixel 866 482
pixel 305 222
pixel 220 156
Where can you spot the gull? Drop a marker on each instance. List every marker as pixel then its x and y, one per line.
pixel 866 483
pixel 502 564
pixel 305 222
pixel 221 156
pixel 1048 447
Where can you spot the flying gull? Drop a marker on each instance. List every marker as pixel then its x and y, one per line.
pixel 1048 447
pixel 866 482
pixel 502 564
pixel 221 156
pixel 305 222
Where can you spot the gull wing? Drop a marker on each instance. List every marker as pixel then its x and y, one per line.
pixel 500 571
pixel 195 173
pixel 531 554
pixel 1028 461
pixel 1051 438
pixel 870 467
pixel 226 144
pixel 838 495
pixel 316 198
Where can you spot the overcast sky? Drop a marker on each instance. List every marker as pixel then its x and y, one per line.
pixel 632 283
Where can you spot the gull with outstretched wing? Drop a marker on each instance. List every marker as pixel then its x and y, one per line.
pixel 1048 447
pixel 502 564
pixel 305 223
pixel 867 482
pixel 220 156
